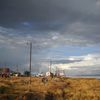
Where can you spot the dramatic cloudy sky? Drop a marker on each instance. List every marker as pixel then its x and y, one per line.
pixel 65 31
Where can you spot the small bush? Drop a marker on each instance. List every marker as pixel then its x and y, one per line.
pixel 3 89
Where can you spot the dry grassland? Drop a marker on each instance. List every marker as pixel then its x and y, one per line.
pixel 18 88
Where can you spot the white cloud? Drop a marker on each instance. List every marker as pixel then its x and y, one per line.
pixel 86 61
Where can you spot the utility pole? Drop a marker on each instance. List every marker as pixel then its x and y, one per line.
pixel 17 68
pixel 50 66
pixel 30 65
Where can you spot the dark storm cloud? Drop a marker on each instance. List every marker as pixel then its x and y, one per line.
pixel 44 10
pixel 46 14
pixel 80 19
pixel 73 20
pixel 64 61
pixel 39 12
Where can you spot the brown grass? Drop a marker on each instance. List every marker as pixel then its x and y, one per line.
pixel 54 89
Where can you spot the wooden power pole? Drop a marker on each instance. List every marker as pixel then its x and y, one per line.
pixel 30 65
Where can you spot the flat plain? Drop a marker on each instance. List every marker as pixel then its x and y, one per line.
pixel 19 88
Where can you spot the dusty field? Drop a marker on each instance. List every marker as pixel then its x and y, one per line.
pixel 55 89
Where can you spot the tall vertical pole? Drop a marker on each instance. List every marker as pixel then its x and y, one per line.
pixel 50 66
pixel 30 59
pixel 17 68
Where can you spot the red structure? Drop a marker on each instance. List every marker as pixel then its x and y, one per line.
pixel 4 72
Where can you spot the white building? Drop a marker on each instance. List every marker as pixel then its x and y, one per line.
pixel 47 73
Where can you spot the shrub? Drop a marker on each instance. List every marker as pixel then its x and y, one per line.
pixel 3 89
